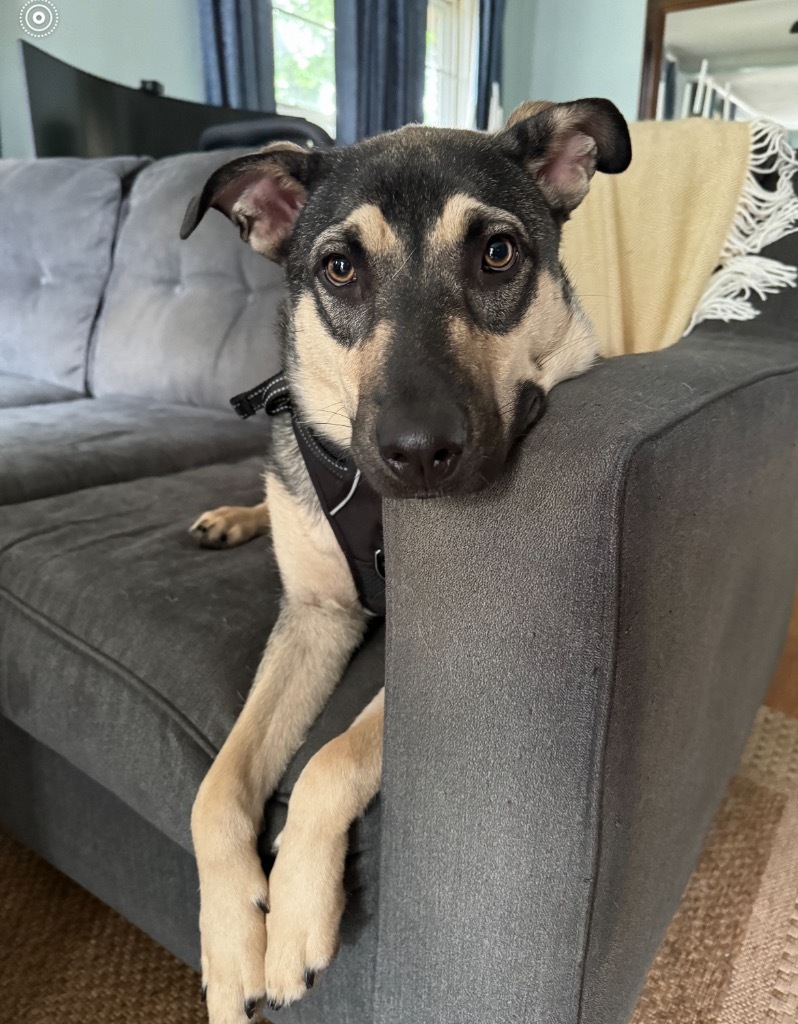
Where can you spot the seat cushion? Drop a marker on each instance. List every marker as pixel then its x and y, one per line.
pixel 128 650
pixel 54 449
pixel 16 391
pixel 58 221
pixel 203 311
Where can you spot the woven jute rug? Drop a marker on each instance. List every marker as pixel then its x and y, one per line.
pixel 66 958
pixel 730 955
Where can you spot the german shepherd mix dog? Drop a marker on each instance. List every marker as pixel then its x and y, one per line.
pixel 427 316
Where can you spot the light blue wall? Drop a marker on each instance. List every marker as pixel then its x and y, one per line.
pixel 567 49
pixel 123 40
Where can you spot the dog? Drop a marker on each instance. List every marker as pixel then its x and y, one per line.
pixel 427 316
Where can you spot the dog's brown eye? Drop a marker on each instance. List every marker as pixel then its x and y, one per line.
pixel 339 270
pixel 499 253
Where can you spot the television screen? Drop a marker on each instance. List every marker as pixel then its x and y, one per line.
pixel 74 113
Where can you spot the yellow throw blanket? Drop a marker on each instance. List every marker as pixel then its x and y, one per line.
pixel 673 240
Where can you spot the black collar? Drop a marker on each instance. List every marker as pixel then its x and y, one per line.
pixel 351 506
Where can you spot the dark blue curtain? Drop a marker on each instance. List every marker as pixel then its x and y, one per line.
pixel 379 65
pixel 238 53
pixel 489 68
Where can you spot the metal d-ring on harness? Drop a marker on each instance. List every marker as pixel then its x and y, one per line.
pixel 351 506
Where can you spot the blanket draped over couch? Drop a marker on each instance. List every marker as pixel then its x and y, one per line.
pixel 676 239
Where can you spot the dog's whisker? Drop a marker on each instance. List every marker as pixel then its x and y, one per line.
pixel 334 411
pixel 403 264
pixel 335 414
pixel 338 407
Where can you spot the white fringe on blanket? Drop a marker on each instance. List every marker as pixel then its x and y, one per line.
pixel 762 217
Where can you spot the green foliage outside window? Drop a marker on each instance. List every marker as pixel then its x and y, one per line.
pixel 304 55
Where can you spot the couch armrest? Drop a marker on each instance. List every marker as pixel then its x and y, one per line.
pixel 573 662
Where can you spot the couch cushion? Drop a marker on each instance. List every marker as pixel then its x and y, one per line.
pixel 202 311
pixel 58 220
pixel 54 449
pixel 16 391
pixel 128 650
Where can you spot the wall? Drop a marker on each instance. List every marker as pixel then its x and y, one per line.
pixel 123 40
pixel 567 49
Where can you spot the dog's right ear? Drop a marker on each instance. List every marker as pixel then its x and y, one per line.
pixel 263 193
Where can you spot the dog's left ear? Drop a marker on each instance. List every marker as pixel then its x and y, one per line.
pixel 563 144
pixel 263 193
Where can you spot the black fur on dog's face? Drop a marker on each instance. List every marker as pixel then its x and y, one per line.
pixel 428 312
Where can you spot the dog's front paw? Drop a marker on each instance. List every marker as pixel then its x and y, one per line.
pixel 307 900
pixel 233 932
pixel 229 526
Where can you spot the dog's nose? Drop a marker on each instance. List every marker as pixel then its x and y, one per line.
pixel 423 454
pixel 421 460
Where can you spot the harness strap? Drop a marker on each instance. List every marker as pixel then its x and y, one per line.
pixel 273 395
pixel 351 506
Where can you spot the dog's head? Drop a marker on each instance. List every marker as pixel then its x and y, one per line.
pixel 428 313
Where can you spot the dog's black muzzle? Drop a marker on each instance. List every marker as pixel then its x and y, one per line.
pixel 435 447
pixel 421 444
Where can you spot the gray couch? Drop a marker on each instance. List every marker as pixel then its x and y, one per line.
pixel 572 659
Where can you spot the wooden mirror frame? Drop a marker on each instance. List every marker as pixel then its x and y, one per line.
pixel 656 12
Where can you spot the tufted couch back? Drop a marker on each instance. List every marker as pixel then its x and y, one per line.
pixel 193 321
pixel 58 222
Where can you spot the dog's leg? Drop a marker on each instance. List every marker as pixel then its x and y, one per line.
pixel 230 525
pixel 306 884
pixel 320 624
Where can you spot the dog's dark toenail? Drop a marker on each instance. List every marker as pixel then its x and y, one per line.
pixel 203 993
pixel 222 538
pixel 262 905
pixel 249 1007
pixel 310 977
pixel 274 1004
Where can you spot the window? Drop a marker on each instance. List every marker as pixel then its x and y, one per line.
pixel 304 60
pixel 450 86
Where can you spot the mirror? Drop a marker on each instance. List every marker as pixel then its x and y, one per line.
pixel 736 60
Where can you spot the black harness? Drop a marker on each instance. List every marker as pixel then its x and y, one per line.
pixel 352 507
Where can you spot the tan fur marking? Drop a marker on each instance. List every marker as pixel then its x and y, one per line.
pixel 550 344
pixel 376 234
pixel 330 376
pixel 458 211
pixel 324 576
pixel 306 884
pixel 528 109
